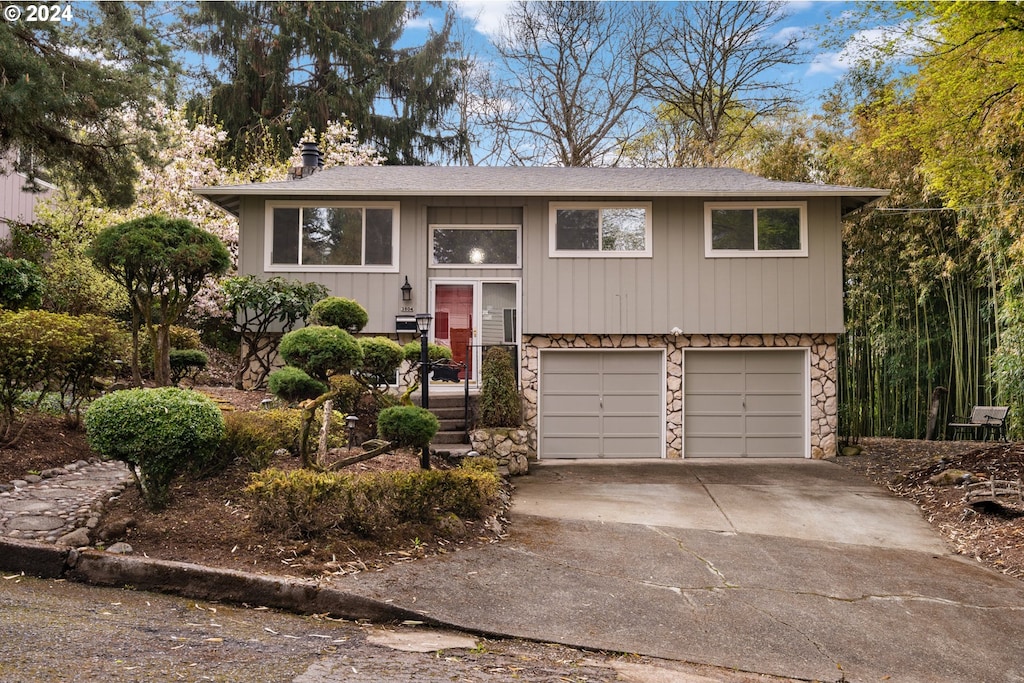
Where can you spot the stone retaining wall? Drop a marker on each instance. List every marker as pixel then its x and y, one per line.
pixel 823 375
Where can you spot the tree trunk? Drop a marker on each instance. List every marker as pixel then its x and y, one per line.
pixel 161 356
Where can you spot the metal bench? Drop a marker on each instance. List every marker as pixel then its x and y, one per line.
pixel 985 421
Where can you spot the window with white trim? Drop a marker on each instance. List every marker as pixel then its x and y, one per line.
pixel 589 230
pixel 475 246
pixel 332 236
pixel 755 229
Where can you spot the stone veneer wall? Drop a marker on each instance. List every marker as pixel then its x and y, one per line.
pixel 823 371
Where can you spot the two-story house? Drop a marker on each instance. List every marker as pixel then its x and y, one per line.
pixel 654 312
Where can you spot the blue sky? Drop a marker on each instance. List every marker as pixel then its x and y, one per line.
pixel 808 18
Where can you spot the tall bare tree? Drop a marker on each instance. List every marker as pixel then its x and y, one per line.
pixel 714 70
pixel 569 77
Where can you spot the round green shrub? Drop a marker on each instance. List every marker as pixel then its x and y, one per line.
pixel 339 312
pixel 407 426
pixel 321 351
pixel 292 384
pixel 21 284
pixel 435 352
pixel 381 358
pixel 499 403
pixel 158 433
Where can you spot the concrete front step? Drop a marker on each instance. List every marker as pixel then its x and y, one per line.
pixel 450 437
pixel 452 425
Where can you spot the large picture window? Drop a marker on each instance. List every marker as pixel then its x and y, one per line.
pixel 749 229
pixel 330 236
pixel 589 230
pixel 474 246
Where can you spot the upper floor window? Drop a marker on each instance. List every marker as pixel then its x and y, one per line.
pixel 755 229
pixel 332 236
pixel 622 230
pixel 474 246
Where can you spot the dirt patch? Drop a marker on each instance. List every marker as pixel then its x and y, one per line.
pixel 991 533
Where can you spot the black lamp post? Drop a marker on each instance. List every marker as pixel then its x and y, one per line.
pixel 423 326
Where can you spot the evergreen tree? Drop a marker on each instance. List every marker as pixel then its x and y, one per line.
pixel 283 67
pixel 68 88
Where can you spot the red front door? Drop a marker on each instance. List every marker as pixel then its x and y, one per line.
pixel 453 322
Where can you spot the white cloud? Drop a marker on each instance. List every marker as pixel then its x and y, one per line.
pixel 488 16
pixel 862 46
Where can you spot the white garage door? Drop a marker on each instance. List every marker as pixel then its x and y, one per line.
pixel 601 404
pixel 745 404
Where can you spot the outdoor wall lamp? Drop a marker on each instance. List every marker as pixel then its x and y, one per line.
pixel 406 290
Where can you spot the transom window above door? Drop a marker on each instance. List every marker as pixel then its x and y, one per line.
pixel 475 246
pixel 332 236
pixel 600 230
pixel 755 229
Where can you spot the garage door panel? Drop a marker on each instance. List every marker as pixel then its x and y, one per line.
pixel 618 425
pixel 630 447
pixel 601 404
pixel 777 382
pixel 571 446
pixel 745 403
pixel 775 403
pixel 572 404
pixel 771 424
pixel 638 404
pixel 631 383
pixel 715 424
pixel 705 382
pixel 774 447
pixel 714 446
pixel 568 383
pixel 714 403
pixel 714 363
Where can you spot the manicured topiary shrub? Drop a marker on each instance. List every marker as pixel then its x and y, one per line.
pixel 337 311
pixel 381 359
pixel 292 385
pixel 186 363
pixel 321 351
pixel 21 284
pixel 499 403
pixel 158 433
pixel 407 426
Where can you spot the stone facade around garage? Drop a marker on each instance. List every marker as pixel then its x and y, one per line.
pixel 823 376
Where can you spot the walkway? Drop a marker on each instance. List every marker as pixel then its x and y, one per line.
pixel 48 505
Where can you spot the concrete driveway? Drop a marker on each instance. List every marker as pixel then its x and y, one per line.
pixel 794 568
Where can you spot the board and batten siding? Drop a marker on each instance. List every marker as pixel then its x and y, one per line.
pixel 679 287
pixel 380 293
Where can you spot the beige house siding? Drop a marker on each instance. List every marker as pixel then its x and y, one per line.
pixel 679 287
pixel 676 287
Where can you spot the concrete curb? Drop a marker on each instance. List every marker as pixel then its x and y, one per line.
pixel 98 568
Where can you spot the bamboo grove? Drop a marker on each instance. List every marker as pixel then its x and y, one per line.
pixel 935 274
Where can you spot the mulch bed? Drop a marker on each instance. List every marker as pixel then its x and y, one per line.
pixel 991 533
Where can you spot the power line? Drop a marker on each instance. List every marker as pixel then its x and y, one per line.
pixel 910 210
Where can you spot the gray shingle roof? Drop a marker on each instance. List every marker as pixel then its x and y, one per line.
pixel 462 181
